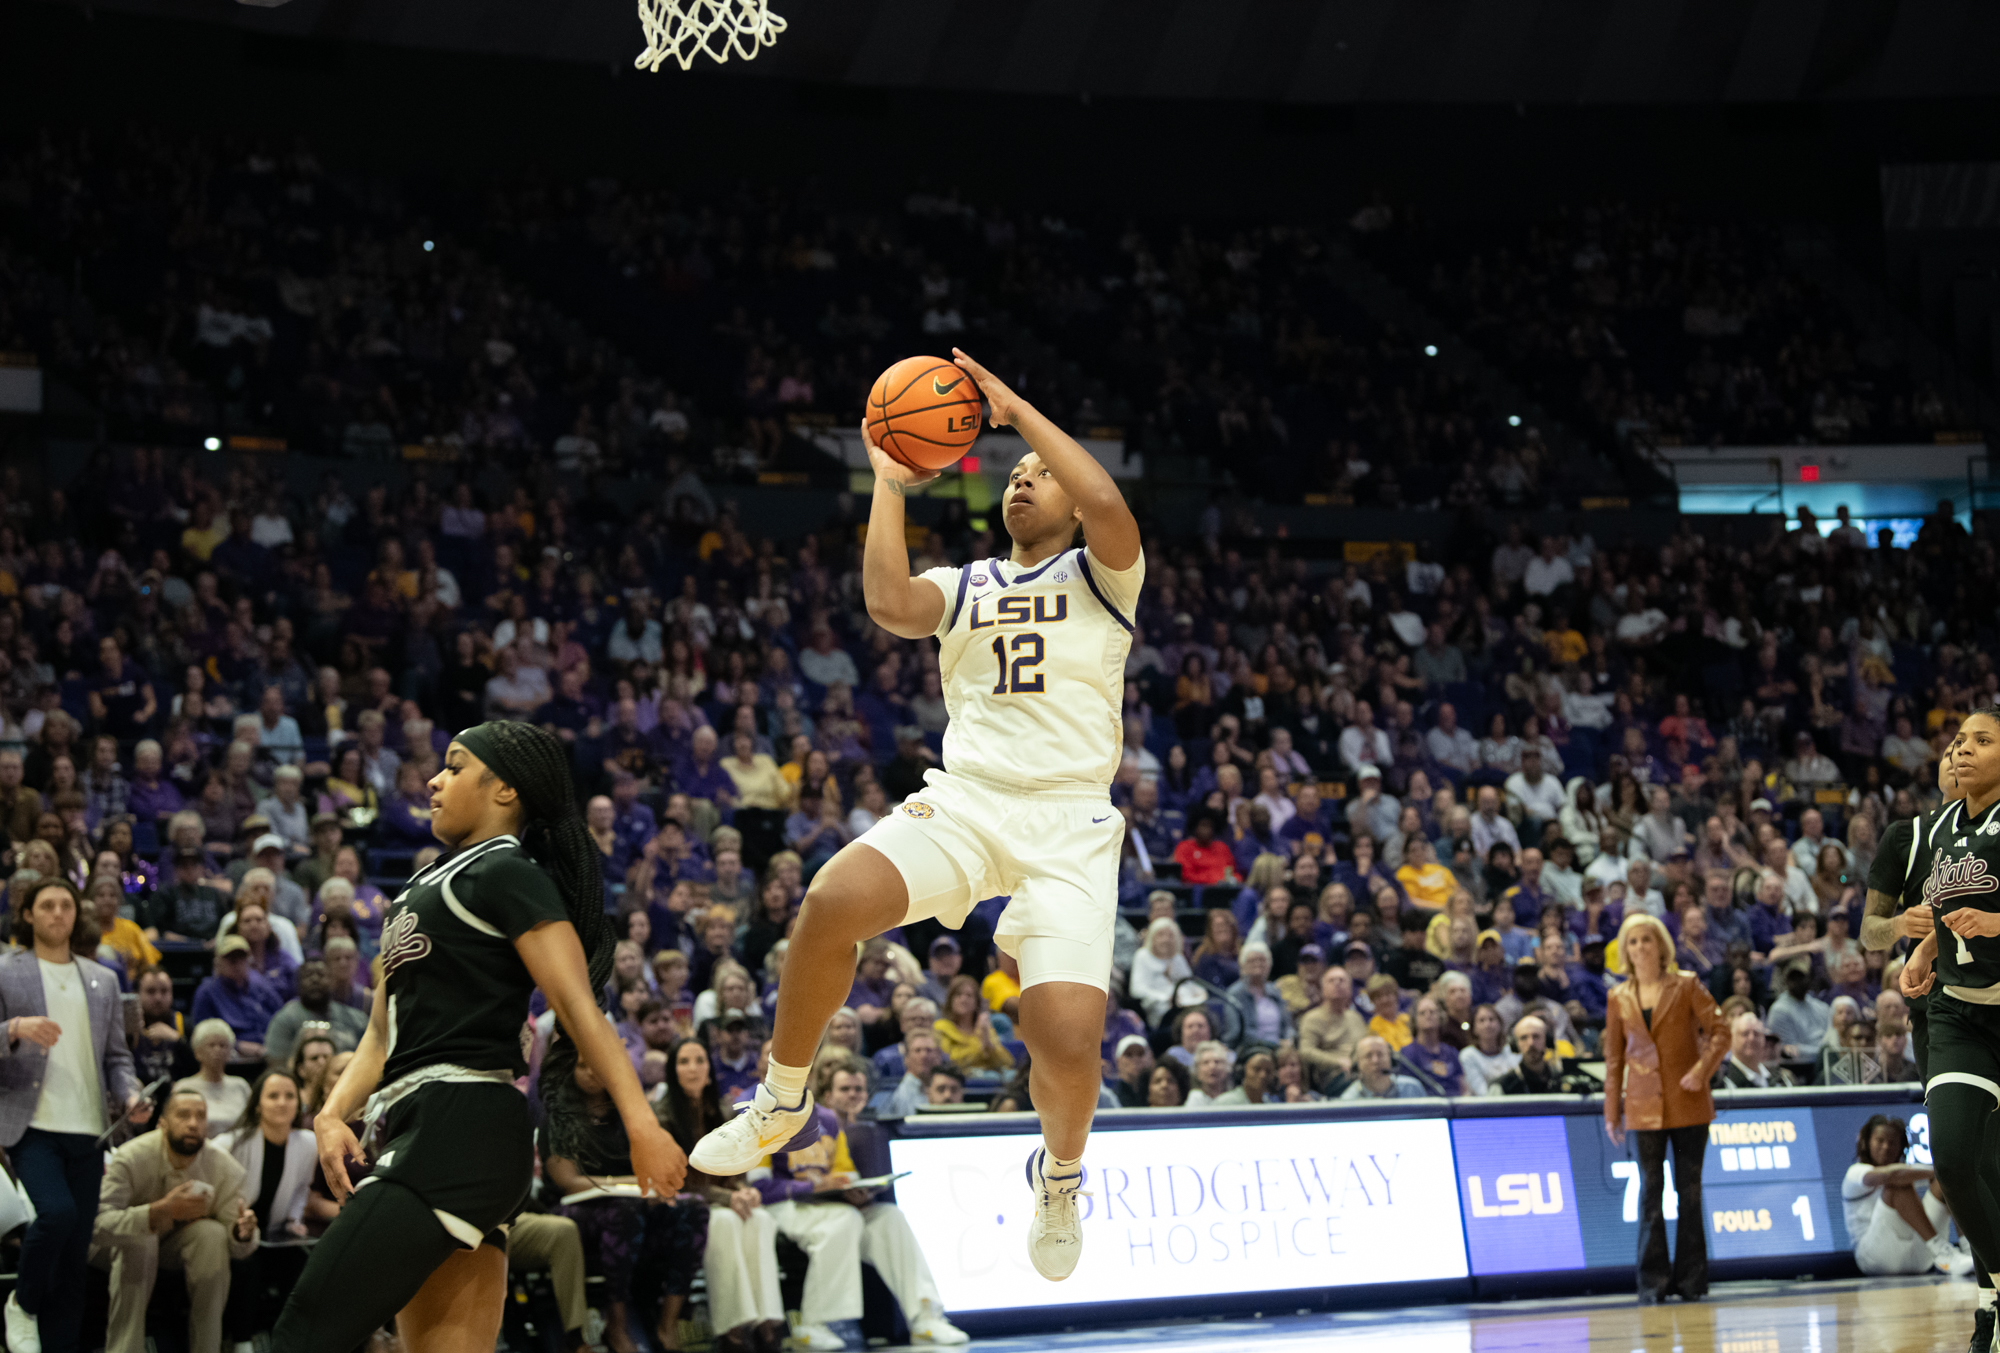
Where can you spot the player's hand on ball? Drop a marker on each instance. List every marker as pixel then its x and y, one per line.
pixel 658 1163
pixel 1001 402
pixel 886 467
pixel 1971 923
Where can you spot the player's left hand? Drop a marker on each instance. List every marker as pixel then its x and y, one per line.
pixel 1001 402
pixel 1971 923
pixel 658 1163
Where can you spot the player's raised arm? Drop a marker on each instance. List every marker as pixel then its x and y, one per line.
pixel 1108 524
pixel 907 607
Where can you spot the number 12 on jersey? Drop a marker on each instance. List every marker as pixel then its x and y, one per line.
pixel 1014 674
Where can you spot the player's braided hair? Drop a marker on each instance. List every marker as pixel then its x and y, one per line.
pixel 536 764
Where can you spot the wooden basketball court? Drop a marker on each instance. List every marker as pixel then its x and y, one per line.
pixel 1862 1315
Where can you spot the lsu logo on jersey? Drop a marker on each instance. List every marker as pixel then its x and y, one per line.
pixel 918 810
pixel 402 942
pixel 1037 609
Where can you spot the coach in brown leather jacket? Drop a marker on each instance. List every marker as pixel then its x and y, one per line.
pixel 1663 1040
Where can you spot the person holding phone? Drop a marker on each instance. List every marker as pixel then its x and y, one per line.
pixel 172 1199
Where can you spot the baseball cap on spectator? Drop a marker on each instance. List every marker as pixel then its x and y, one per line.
pixel 1357 947
pixel 231 944
pixel 254 825
pixel 1311 953
pixel 734 1019
pixel 1184 619
pixel 1161 895
pixel 944 944
pixel 268 841
pixel 1527 961
pixel 1592 884
pixel 324 820
pixel 1487 937
pixel 1761 806
pixel 1367 773
pixel 1128 1042
pixel 1678 853
pixel 1802 963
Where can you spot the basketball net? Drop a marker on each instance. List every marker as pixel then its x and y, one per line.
pixel 685 29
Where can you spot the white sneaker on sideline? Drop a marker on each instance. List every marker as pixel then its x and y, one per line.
pixel 1055 1235
pixel 931 1327
pixel 815 1336
pixel 739 1144
pixel 1947 1259
pixel 24 1332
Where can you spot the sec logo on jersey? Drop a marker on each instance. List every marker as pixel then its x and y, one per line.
pixel 919 810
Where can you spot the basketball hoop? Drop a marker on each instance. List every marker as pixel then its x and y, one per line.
pixel 684 29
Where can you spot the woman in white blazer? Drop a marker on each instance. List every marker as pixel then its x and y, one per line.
pixel 277 1157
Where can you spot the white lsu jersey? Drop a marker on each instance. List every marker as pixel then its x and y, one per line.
pixel 1033 668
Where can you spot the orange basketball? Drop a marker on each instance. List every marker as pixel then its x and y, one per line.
pixel 924 412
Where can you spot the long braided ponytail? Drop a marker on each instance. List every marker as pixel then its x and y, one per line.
pixel 536 764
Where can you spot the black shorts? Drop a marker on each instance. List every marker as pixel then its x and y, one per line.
pixel 467 1149
pixel 1962 1044
pixel 1920 1039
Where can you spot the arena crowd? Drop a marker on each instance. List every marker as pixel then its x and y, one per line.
pixel 1385 818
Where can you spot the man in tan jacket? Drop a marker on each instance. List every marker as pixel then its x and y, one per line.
pixel 172 1199
pixel 1330 1030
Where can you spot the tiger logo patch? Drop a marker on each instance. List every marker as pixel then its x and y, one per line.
pixel 919 810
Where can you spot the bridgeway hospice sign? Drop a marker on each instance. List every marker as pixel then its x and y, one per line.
pixel 1180 1212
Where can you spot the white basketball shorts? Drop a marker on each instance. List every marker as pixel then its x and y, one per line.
pixel 1890 1247
pixel 1052 853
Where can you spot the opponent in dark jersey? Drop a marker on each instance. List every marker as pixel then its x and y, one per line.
pixel 463 948
pixel 1957 858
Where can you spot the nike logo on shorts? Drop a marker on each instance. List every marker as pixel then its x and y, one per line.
pixel 1106 818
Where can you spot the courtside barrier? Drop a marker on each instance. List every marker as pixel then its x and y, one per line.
pixel 1317 1206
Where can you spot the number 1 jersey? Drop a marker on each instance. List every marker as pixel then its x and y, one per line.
pixel 1033 668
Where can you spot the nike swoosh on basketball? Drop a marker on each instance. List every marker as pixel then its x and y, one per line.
pixel 939 387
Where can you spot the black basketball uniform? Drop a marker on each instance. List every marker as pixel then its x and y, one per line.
pixel 1956 864
pixel 458 996
pixel 1894 872
pixel 457 1143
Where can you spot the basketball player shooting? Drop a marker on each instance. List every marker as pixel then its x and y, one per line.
pixel 1032 654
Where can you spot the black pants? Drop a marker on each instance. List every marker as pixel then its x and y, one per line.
pixel 258 1287
pixel 60 1172
pixel 1688 1276
pixel 1962 1089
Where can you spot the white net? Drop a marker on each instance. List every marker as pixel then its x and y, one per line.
pixel 685 29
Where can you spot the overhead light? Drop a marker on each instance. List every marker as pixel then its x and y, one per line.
pixel 1430 349
pixel 1513 420
pixel 429 245
pixel 212 444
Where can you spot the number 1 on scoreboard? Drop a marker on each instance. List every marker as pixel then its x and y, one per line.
pixel 1802 1209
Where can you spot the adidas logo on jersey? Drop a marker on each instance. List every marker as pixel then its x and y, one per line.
pixel 1959 842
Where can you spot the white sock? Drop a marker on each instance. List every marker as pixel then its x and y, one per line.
pixel 1053 1164
pixel 787 1084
